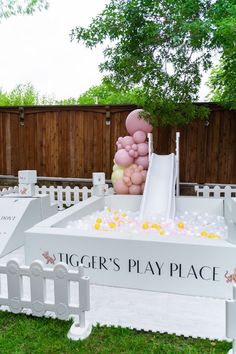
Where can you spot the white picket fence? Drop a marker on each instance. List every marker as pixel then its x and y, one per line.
pixel 27 288
pixel 9 190
pixel 216 191
pixel 62 196
pixel 67 196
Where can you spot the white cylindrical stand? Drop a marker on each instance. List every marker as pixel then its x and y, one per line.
pixel 99 186
pixel 150 145
pixel 177 162
pixel 27 180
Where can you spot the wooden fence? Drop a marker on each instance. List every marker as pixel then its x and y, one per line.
pixel 74 141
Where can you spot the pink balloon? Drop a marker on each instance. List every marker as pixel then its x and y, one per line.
pixel 142 149
pixel 144 174
pixel 120 139
pixel 122 158
pixel 120 187
pixel 142 187
pixel 132 152
pixel 119 146
pixel 132 169
pixel 127 140
pixel 127 172
pixel 137 178
pixel 139 137
pixel 135 189
pixel 127 148
pixel 136 154
pixel 134 123
pixel 142 161
pixel 135 147
pixel 140 168
pixel 127 181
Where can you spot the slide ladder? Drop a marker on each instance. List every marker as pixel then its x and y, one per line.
pixel 159 191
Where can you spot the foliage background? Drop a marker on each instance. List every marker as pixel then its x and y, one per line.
pixel 163 47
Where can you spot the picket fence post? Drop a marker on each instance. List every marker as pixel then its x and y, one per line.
pixel 14 286
pixel 37 288
pixel 231 320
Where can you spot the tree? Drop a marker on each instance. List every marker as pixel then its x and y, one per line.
pixel 162 46
pixel 105 93
pixel 13 7
pixel 23 95
pixel 222 81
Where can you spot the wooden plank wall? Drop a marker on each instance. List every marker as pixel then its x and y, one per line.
pixel 74 141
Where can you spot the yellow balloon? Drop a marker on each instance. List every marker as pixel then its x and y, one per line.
pixel 117 174
pixel 115 167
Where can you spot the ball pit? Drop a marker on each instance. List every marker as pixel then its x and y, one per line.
pixel 185 226
pixel 189 255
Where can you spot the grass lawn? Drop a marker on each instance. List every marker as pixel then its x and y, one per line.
pixel 22 334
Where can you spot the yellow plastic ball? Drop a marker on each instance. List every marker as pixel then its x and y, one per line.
pixel 112 225
pixel 213 236
pixel 97 226
pixel 203 233
pixel 162 233
pixel 180 225
pixel 145 226
pixel 98 220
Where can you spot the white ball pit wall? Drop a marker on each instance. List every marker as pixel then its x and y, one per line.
pixel 140 261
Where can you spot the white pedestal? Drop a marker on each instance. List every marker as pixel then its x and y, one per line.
pixel 78 333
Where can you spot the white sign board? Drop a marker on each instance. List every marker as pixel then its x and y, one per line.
pixel 190 269
pixel 17 214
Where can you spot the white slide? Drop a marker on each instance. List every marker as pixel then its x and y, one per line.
pixel 159 191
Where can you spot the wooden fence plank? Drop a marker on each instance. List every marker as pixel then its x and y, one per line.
pixel 75 141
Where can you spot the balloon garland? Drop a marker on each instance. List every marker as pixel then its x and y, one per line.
pixel 131 159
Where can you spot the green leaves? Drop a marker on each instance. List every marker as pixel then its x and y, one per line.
pixel 222 82
pixel 106 93
pixel 23 95
pixel 161 46
pixel 13 7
